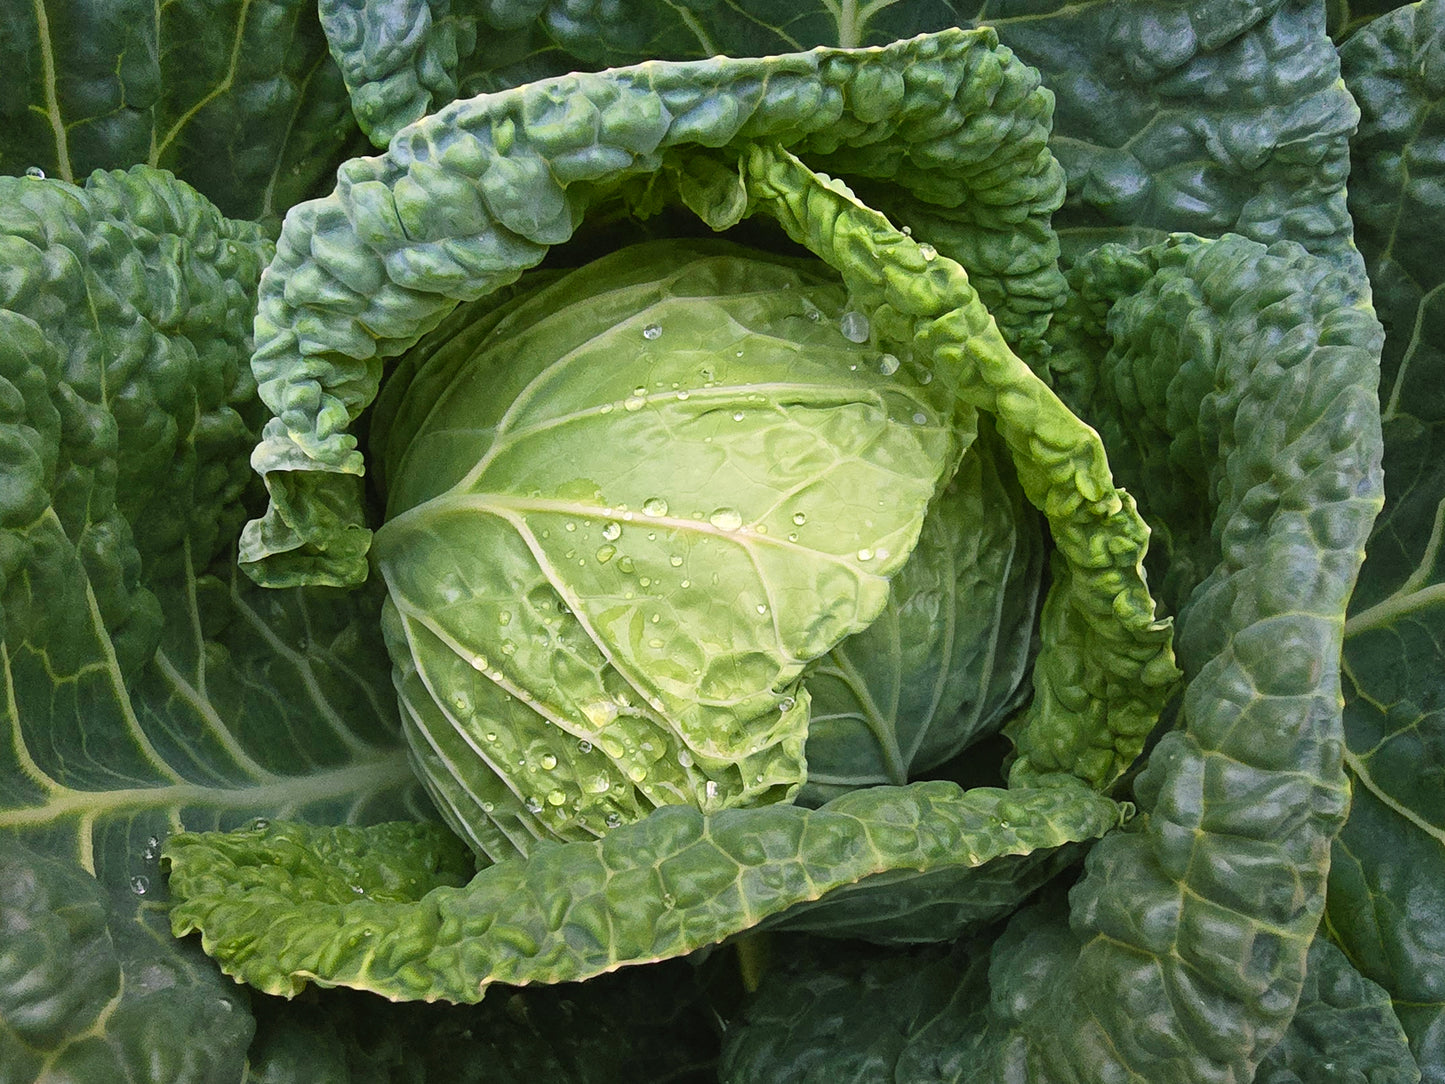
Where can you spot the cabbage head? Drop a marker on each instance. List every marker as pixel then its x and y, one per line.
pixel 628 510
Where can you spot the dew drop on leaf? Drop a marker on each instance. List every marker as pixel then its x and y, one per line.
pixel 548 762
pixel 654 506
pixel 888 364
pixel 140 885
pixel 35 173
pixel 854 326
pixel 786 703
pixel 613 820
pixel 865 554
pixel 726 519
pixel 533 804
pixel 799 518
pixel 557 797
pixel 684 758
pixel 928 252
pixel 675 561
pixel 584 746
pixel 612 532
pixel 652 331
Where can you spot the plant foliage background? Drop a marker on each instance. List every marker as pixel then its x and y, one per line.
pixel 149 688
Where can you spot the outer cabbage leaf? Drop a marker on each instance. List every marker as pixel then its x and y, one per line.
pixel 467 199
pixel 1223 116
pixel 671 883
pixel 625 511
pixel 917 1017
pixel 1183 954
pixel 1386 907
pixel 142 693
pixel 238 97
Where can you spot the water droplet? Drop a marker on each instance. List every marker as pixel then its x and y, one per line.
pixel 140 885
pixel 928 252
pixel 726 519
pixel 487 807
pixel 762 607
pixel 920 418
pixel 605 554
pixel 684 395
pixel 685 584
pixel 35 172
pixel 637 773
pixel 479 662
pixel 490 735
pixel 800 518
pixel 584 746
pixel 652 331
pixel 711 788
pixel 737 415
pixel 569 526
pixel 854 326
pixel 358 890
pixel 633 403
pixel 613 820
pixel 260 824
pixel 625 564
pixel 612 532
pixel 605 408
pixel 811 311
pixel 654 506
pixel 793 536
pixel 684 759
pixel 508 647
pixel 504 618
pixel 462 703
pixel 548 762
pixel 533 804
pixel 675 561
pixel 787 703
pixel 557 797
pixel 888 364
pixel 907 231
pixel 152 849
pixel 865 554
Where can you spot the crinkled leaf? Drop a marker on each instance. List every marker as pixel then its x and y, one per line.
pixel 1210 117
pixel 1252 372
pixel 1345 1029
pixel 918 1016
pixel 238 97
pixel 1105 665
pixel 669 884
pixel 1387 907
pixel 140 692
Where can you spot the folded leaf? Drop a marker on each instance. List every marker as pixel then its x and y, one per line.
pixel 669 884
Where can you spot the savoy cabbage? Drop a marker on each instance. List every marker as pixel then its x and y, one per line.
pixel 836 524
